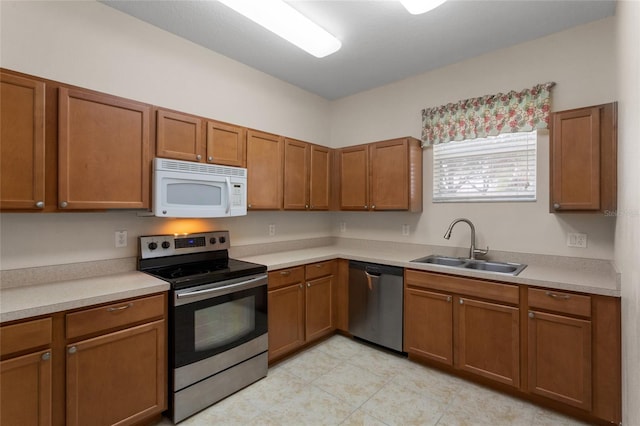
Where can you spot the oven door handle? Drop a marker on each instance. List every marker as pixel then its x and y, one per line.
pixel 253 282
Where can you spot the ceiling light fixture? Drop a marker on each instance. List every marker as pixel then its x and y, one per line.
pixel 285 21
pixel 417 7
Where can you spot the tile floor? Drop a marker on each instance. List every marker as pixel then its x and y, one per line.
pixel 344 382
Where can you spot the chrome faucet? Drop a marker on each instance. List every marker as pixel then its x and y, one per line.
pixel 473 251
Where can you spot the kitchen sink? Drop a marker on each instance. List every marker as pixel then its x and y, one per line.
pixel 475 264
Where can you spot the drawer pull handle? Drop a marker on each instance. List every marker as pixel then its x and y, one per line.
pixel 120 308
pixel 558 296
pixel 285 273
pixel 319 266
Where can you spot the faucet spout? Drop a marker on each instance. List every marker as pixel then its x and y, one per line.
pixel 472 250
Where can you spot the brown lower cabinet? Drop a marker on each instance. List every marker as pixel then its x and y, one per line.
pixel 301 306
pixel 102 365
pixel 559 349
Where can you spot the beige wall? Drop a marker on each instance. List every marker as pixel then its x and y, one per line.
pixel 94 46
pixel 582 63
pixel 627 247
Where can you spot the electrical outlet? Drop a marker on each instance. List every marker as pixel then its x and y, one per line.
pixel 405 229
pixel 577 240
pixel 343 226
pixel 121 239
pixel 272 230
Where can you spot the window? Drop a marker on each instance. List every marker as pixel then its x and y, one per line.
pixel 497 168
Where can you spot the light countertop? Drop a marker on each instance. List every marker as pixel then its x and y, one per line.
pixel 30 301
pixel 590 276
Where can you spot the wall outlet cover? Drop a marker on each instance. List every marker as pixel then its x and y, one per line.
pixel 578 240
pixel 272 230
pixel 121 239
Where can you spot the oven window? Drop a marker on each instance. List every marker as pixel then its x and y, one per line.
pixel 194 194
pixel 220 325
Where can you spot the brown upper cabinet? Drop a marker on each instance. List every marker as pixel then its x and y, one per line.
pixel 306 176
pixel 22 143
pixel 103 151
pixel 265 167
pixel 583 158
pixel 182 137
pixel 384 175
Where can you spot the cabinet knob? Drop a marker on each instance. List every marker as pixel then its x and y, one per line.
pixel 306 206
pixel 210 158
pixel 461 302
pixel 532 315
pixel 556 206
pixel 198 157
pixel 373 207
pixel 300 285
pixel 308 284
pixel 365 206
pixel 46 356
pixel 64 204
pixel 40 204
pixel 72 350
pixel 249 205
pixel 448 298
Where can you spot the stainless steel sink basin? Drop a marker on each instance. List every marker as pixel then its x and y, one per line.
pixel 441 260
pixel 477 265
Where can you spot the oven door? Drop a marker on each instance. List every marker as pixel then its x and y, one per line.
pixel 214 318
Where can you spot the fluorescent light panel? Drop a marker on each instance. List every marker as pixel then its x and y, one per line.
pixel 417 7
pixel 283 20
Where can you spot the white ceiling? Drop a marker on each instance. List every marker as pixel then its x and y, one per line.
pixel 381 41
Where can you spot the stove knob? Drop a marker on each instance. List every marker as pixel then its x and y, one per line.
pixel 222 240
pixel 212 240
pixel 153 246
pixel 166 244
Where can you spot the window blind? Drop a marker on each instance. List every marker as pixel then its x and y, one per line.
pixel 497 168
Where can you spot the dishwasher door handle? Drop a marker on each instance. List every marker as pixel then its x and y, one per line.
pixel 370 279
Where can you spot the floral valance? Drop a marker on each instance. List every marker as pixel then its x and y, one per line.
pixel 488 115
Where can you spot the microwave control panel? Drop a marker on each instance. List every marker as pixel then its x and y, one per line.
pixel 237 194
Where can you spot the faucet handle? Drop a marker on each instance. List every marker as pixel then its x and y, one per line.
pixel 481 252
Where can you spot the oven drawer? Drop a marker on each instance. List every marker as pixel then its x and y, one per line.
pixel 285 277
pixel 115 315
pixel 320 269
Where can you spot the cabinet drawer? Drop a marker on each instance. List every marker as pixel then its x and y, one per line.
pixel 113 316
pixel 320 269
pixel 499 292
pixel 284 277
pixel 24 336
pixel 558 301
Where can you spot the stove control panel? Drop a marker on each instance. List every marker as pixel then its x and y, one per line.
pixel 173 244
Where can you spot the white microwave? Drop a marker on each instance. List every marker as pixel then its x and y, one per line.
pixel 189 189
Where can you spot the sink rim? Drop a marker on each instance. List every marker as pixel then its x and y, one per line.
pixel 470 264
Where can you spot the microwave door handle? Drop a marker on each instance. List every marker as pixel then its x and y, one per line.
pixel 228 180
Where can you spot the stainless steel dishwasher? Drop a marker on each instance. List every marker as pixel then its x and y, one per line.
pixel 375 303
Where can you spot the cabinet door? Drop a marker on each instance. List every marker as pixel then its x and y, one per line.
pixel 103 145
pixel 264 169
pixel 576 159
pixel 319 308
pixel 25 387
pixel 320 178
pixel 354 178
pixel 560 358
pixel 296 175
pixel 488 340
pixel 428 325
pixel 389 174
pixel 286 319
pixel 118 378
pixel 179 136
pixel 226 144
pixel 21 143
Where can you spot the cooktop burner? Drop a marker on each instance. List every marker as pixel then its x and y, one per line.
pixel 192 259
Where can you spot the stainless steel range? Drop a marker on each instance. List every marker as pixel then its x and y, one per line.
pixel 218 317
